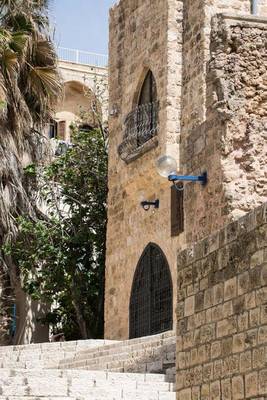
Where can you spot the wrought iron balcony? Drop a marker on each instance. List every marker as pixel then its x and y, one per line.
pixel 140 126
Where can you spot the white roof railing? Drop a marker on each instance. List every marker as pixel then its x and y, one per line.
pixel 82 57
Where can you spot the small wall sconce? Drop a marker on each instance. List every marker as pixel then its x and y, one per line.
pixel 167 167
pixel 147 204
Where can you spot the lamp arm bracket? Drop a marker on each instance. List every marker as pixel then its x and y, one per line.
pixel 203 179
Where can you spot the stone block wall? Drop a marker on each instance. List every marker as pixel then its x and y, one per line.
pixel 222 313
pixel 230 142
pixel 144 35
pixel 210 71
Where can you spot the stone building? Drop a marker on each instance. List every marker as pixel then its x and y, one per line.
pixel 85 92
pixel 187 79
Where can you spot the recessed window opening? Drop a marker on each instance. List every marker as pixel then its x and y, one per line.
pixel 147 110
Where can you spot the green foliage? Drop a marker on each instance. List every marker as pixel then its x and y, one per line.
pixel 61 258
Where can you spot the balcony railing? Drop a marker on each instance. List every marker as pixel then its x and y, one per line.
pixel 82 57
pixel 140 126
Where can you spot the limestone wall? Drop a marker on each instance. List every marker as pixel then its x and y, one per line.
pixel 210 71
pixel 222 313
pixel 143 35
pixel 94 78
pixel 227 136
pixel 84 86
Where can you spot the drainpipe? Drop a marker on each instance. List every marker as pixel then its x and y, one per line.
pixel 254 7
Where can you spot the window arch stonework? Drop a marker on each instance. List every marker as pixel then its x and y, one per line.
pixel 141 124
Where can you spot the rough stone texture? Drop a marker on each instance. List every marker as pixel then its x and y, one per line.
pixel 143 35
pixel 222 342
pixel 210 71
pixel 239 61
pixel 36 371
pixel 230 142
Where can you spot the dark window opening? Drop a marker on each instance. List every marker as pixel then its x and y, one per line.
pixel 148 92
pixel 53 129
pixel 177 211
pixel 151 303
pixel 85 128
pixel 147 110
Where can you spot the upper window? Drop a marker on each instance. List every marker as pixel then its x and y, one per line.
pixel 52 129
pixel 148 92
pixel 141 123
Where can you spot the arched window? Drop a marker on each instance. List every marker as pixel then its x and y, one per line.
pixel 147 110
pixel 148 93
pixel 151 303
pixel 141 124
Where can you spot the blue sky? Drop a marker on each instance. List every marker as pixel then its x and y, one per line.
pixel 82 24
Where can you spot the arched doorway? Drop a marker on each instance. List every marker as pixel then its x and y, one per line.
pixel 151 303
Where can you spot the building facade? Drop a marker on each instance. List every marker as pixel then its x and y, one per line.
pixel 186 79
pixel 85 92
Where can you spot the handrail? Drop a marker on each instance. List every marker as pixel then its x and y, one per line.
pixel 82 57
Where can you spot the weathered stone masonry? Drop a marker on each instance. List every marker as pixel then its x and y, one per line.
pixel 230 144
pixel 143 35
pixel 210 71
pixel 222 313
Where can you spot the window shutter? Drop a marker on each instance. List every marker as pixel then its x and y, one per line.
pixel 177 211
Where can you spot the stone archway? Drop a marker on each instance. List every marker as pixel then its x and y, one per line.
pixel 151 302
pixel 79 104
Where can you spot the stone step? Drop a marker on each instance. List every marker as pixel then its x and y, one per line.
pixel 46 348
pixel 100 394
pixel 166 344
pixel 45 354
pixel 89 375
pixel 87 385
pixel 125 349
pixel 97 396
pixel 140 355
pixel 106 360
pixel 144 355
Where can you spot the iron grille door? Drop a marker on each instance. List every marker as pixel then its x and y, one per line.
pixel 151 297
pixel 161 293
pixel 140 299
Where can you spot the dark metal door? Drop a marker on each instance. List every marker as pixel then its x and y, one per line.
pixel 151 297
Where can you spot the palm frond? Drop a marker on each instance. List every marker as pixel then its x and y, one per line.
pixel 45 80
pixel 18 43
pixel 8 61
pixel 44 53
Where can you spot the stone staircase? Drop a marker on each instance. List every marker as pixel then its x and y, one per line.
pixel 90 370
pixel 44 355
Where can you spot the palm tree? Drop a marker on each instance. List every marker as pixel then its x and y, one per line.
pixel 29 87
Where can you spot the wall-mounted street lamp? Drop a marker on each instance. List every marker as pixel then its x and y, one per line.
pixel 167 167
pixel 147 204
